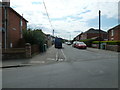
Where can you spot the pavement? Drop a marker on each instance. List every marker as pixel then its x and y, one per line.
pixel 52 55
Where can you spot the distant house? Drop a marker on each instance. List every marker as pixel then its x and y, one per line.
pixel 78 37
pixel 93 34
pixel 12 26
pixel 49 39
pixel 114 33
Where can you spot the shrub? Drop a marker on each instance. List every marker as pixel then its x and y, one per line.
pixel 88 42
pixel 34 37
pixel 107 42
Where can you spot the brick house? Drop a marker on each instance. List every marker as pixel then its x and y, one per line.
pixel 0 28
pixel 114 33
pixel 94 33
pixel 49 39
pixel 12 26
pixel 78 37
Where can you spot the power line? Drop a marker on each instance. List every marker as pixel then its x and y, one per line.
pixel 48 15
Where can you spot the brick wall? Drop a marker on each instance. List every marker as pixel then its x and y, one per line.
pixel 83 36
pixel 116 33
pixel 16 53
pixel 108 47
pixel 13 27
pixel 91 35
pixel 113 48
pixel 35 49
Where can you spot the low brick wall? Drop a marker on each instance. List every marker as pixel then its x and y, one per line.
pixel 35 49
pixel 49 43
pixel 113 48
pixel 95 45
pixel 20 53
pixel 108 47
pixel 14 53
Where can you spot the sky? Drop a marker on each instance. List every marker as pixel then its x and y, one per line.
pixel 68 17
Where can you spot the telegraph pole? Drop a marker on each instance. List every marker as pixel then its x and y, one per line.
pixel 99 26
pixel 53 32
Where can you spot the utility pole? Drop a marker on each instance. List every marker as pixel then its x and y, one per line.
pixel 99 26
pixel 53 32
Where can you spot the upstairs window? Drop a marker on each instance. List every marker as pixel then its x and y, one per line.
pixel 112 32
pixel 21 23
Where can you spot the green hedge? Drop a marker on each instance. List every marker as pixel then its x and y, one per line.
pixel 88 42
pixel 107 42
pixel 34 37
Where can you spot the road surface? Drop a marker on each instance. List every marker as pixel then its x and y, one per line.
pixel 74 68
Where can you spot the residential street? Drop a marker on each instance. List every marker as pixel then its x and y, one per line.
pixel 65 68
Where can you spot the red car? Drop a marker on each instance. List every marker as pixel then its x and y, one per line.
pixel 80 45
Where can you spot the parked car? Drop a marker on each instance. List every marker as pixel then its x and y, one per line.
pixel 74 43
pixel 80 45
pixel 68 43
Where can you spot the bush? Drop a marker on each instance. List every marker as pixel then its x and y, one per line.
pixel 88 42
pixel 107 42
pixel 34 37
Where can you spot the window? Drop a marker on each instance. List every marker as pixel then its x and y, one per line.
pixel 21 23
pixel 112 39
pixel 14 28
pixel 112 32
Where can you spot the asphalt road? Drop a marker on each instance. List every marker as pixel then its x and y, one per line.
pixel 74 68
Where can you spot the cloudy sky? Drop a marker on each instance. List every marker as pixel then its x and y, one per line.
pixel 68 17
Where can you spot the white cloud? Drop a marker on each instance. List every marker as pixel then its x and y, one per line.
pixel 61 9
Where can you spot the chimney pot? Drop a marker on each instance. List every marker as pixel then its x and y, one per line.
pixel 6 3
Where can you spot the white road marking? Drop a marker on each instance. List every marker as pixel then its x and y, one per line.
pixel 56 56
pixel 51 59
pixel 33 62
pixel 61 59
pixel 64 55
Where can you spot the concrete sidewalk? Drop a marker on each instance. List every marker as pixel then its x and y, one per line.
pixel 43 58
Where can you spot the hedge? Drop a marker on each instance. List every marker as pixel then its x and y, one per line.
pixel 88 42
pixel 107 42
pixel 34 37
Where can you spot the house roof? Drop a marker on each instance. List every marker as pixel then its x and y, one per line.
pixel 92 30
pixel 13 11
pixel 115 28
pixel 17 13
pixel 79 35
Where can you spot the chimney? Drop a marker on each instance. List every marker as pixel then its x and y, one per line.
pixel 6 3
